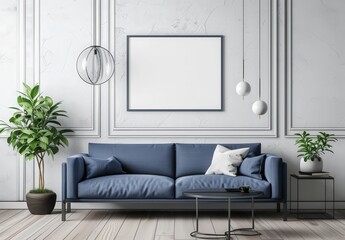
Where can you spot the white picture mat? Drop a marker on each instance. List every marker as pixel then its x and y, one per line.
pixel 174 73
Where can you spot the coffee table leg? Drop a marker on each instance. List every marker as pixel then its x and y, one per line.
pixel 249 231
pixel 197 234
pixel 197 214
pixel 252 213
pixel 229 219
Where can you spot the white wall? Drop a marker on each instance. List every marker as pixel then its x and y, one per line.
pixel 56 31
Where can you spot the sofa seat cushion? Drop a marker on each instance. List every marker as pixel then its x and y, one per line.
pixel 186 183
pixel 137 186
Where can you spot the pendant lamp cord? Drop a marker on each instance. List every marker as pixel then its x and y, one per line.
pixel 259 50
pixel 243 38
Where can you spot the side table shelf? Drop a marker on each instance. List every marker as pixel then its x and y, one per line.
pixel 297 200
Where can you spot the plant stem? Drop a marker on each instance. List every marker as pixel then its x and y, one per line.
pixel 40 163
pixel 42 170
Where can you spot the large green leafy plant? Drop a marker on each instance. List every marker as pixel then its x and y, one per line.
pixel 33 128
pixel 311 149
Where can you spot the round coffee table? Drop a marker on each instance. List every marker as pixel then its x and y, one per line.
pixel 222 194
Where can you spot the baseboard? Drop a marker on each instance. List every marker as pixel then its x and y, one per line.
pixel 158 206
pixel 145 206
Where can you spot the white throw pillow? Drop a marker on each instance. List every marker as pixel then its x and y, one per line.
pixel 226 161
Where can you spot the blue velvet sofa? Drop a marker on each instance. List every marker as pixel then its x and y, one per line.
pixel 162 172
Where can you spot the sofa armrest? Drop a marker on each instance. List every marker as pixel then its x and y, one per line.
pixel 74 174
pixel 275 173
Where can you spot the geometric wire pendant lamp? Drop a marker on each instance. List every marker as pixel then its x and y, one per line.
pixel 259 107
pixel 243 88
pixel 95 65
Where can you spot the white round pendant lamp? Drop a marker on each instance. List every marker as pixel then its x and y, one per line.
pixel 243 88
pixel 259 107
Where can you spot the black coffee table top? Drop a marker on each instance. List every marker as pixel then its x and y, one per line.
pixel 219 193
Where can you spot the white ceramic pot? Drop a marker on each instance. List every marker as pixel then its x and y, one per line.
pixel 311 166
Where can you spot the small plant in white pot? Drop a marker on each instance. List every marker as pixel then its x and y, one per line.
pixel 34 134
pixel 311 150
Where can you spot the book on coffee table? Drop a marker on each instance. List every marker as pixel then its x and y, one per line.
pixel 323 174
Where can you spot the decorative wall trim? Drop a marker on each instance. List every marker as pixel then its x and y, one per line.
pixel 21 11
pixel 94 129
pixel 290 128
pixel 25 10
pixel 269 131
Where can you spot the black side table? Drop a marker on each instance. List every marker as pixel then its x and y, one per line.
pixel 299 178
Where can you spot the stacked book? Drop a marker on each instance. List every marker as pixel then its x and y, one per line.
pixel 314 174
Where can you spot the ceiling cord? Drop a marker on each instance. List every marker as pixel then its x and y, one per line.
pixel 243 38
pixel 259 50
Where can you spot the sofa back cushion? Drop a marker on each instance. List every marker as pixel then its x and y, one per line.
pixel 192 159
pixel 155 159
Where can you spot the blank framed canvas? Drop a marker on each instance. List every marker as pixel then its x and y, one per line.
pixel 174 73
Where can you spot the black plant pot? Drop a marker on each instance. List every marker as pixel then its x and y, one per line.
pixel 41 203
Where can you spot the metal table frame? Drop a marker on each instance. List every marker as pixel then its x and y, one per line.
pixel 298 201
pixel 249 231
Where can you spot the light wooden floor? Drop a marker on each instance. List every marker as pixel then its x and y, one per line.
pixel 104 224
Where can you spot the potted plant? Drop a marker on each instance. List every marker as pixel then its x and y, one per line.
pixel 311 150
pixel 34 134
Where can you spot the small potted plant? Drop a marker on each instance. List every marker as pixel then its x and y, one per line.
pixel 311 150
pixel 34 134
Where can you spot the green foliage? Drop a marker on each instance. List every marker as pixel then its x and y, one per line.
pixel 33 127
pixel 38 190
pixel 310 149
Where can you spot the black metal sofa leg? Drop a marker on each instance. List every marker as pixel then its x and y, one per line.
pixel 63 211
pixel 278 207
pixel 68 207
pixel 285 211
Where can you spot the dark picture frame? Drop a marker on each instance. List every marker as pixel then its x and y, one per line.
pixel 174 73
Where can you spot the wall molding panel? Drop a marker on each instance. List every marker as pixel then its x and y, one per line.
pixel 28 71
pixel 116 130
pixel 92 130
pixel 291 127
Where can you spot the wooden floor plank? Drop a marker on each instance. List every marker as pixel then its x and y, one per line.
pixel 164 237
pixel 205 224
pixel 283 229
pixel 104 224
pixel 336 226
pixel 267 230
pixel 48 228
pixel 184 225
pixel 87 226
pixel 20 226
pixel 322 230
pixel 147 227
pixel 166 224
pixel 302 230
pixel 243 220
pixel 340 216
pixel 67 226
pixel 129 228
pixel 111 226
pixel 220 223
pixel 14 220
pixel 6 214
pixel 40 223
